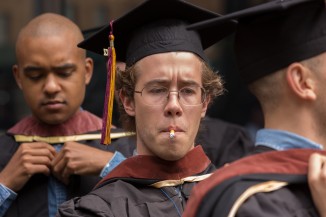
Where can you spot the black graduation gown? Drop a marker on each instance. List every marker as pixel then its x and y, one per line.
pixel 268 184
pixel 223 142
pixel 32 199
pixel 126 191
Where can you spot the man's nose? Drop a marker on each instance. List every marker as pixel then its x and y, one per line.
pixel 51 84
pixel 171 93
pixel 173 106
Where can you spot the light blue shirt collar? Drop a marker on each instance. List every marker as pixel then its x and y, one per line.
pixel 283 140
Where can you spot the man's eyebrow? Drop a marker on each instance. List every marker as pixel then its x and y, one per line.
pixel 165 82
pixel 29 69
pixel 64 66
pixel 188 82
pixel 158 81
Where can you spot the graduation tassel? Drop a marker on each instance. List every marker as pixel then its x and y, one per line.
pixel 109 91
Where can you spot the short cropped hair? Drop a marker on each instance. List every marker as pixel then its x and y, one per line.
pixel 269 88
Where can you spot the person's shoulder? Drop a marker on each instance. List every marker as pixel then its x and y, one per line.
pixel 209 121
pixel 222 141
pixel 93 204
pixel 244 178
pixel 290 200
pixel 22 125
pixel 126 191
pixel 214 127
pixel 118 198
pixel 122 141
pixel 7 141
pixel 8 147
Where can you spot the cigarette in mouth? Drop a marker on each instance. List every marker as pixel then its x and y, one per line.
pixel 172 135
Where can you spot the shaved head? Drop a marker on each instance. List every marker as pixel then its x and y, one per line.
pixel 51 69
pixel 48 25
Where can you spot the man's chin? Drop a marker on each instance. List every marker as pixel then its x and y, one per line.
pixel 53 119
pixel 172 156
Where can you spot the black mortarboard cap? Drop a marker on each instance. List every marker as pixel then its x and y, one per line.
pixel 272 35
pixel 158 26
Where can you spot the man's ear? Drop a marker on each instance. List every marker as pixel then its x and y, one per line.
pixel 205 106
pixel 89 66
pixel 128 103
pixel 301 81
pixel 15 72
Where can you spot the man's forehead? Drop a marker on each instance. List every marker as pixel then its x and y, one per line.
pixel 42 67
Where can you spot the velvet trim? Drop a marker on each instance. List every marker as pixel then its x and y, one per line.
pixel 82 122
pixel 151 167
pixel 294 161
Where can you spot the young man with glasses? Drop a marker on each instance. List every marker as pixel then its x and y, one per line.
pixel 164 93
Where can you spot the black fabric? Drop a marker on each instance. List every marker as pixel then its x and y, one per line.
pixel 163 36
pixel 223 142
pixel 34 190
pixel 32 199
pixel 219 200
pixel 126 198
pixel 293 201
pixel 273 35
pixel 127 146
pixel 261 148
pixel 131 45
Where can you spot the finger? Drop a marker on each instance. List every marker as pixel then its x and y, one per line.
pixel 58 158
pixel 37 168
pixel 64 175
pixel 58 166
pixel 41 160
pixel 63 157
pixel 66 148
pixel 314 167
pixel 39 145
pixel 323 169
pixel 67 172
pixel 38 150
pixel 39 153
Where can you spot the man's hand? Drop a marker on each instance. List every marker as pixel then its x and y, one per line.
pixel 317 181
pixel 79 159
pixel 29 159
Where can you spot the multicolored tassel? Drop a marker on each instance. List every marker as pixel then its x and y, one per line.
pixel 109 91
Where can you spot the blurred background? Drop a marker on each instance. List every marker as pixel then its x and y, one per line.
pixel 237 105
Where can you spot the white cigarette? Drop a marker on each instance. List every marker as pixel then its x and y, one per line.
pixel 172 135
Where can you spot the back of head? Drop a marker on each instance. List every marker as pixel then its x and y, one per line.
pixel 273 35
pixel 278 38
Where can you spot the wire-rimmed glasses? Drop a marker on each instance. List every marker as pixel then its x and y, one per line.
pixel 159 95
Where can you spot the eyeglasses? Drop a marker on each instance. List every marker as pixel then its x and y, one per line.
pixel 159 95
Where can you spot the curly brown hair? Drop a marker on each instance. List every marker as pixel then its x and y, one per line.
pixel 126 82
